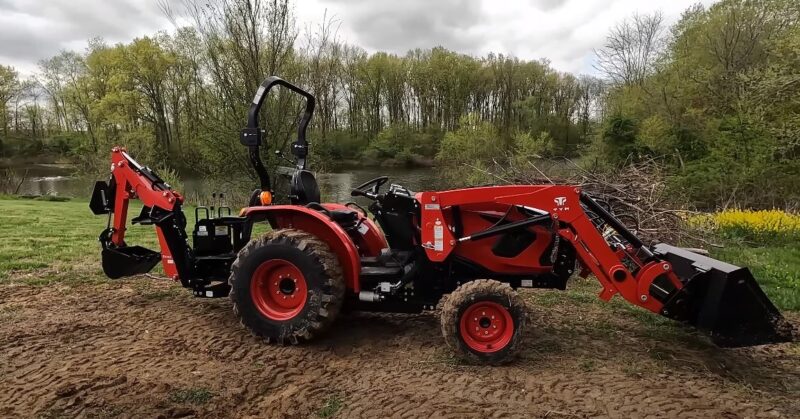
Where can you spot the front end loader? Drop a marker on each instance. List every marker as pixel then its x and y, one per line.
pixel 409 249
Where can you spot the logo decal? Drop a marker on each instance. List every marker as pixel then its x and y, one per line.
pixel 560 201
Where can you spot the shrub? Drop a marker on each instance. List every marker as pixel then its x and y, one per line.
pixel 528 147
pixel 475 143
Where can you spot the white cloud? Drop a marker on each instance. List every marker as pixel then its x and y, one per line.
pixel 563 31
pixel 34 30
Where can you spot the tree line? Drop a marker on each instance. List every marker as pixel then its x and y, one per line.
pixel 180 98
pixel 714 97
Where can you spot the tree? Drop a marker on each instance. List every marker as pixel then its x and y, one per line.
pixel 632 49
pixel 9 89
pixel 718 106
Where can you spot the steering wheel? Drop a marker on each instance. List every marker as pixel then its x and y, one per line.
pixel 372 192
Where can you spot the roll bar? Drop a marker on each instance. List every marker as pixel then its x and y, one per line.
pixel 251 135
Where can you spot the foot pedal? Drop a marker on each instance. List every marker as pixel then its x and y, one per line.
pixel 218 290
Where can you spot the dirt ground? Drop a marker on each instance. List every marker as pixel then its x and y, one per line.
pixel 144 348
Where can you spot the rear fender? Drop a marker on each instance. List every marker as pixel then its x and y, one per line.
pixel 317 224
pixel 371 240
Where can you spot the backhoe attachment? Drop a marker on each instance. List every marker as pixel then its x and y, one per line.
pixel 161 208
pixel 118 261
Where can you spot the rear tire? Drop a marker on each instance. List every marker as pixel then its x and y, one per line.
pixel 483 322
pixel 286 286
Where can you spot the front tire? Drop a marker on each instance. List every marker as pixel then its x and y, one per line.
pixel 286 286
pixel 483 322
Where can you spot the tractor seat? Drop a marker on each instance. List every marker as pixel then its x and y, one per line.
pixel 343 216
pixel 305 191
pixel 346 218
pixel 303 188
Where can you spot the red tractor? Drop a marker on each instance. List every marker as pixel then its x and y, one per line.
pixel 477 244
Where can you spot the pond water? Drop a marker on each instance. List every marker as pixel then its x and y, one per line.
pixel 53 179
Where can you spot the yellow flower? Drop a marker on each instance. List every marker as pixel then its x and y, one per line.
pixel 763 224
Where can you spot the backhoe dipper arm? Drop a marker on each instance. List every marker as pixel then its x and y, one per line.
pixel 130 181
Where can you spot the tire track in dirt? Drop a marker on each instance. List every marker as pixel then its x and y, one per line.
pixel 124 349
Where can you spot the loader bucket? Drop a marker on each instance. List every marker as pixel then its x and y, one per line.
pixel 119 262
pixel 722 300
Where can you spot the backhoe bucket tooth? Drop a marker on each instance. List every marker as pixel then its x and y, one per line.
pixel 119 262
pixel 722 300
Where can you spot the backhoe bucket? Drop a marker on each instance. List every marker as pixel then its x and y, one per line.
pixel 127 261
pixel 119 262
pixel 722 300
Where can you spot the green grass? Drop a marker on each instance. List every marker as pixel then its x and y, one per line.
pixel 331 407
pixel 196 396
pixel 776 268
pixel 58 240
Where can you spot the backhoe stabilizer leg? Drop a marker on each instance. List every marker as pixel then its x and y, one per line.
pixel 722 300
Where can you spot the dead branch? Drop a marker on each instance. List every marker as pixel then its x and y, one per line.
pixel 637 193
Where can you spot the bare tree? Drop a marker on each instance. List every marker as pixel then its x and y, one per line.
pixel 324 64
pixel 632 48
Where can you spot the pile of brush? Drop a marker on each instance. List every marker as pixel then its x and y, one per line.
pixel 637 193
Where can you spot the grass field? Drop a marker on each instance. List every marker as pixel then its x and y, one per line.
pixel 57 240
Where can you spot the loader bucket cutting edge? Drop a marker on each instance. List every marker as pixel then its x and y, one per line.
pixel 722 300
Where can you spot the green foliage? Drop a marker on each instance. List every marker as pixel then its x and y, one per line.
pixel 338 145
pixel 9 89
pixel 528 148
pixel 719 105
pixel 196 396
pixel 400 144
pixel 655 135
pixel 474 143
pixel 333 404
pixel 619 137
pixel 390 141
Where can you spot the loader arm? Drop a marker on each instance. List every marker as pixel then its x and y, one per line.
pixel 720 299
pixel 632 277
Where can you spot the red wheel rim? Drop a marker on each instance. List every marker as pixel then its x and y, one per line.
pixel 486 327
pixel 278 289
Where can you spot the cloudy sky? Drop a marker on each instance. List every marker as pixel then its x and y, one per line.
pixel 564 31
